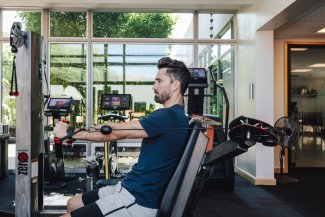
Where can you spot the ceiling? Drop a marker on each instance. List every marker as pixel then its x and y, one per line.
pixel 301 21
pixel 305 18
pixel 305 26
pixel 304 60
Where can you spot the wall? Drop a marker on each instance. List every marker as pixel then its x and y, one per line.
pixel 255 53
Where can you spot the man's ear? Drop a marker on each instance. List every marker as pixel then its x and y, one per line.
pixel 176 85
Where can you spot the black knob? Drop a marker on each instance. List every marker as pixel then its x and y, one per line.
pixel 105 129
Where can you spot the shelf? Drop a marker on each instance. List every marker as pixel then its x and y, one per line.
pixel 305 95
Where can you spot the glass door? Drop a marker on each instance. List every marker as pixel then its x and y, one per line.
pixel 306 97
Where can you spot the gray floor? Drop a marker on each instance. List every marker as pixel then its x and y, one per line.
pixel 301 199
pixel 309 152
pixel 246 201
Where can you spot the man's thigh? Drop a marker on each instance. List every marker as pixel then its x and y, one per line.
pixel 113 201
pixel 88 210
pixel 107 201
pixel 92 196
pixel 112 205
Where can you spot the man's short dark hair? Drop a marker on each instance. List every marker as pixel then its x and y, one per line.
pixel 176 70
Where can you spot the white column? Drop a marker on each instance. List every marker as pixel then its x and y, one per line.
pixel 264 99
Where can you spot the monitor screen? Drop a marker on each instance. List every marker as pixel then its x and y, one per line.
pixel 60 103
pixel 198 77
pixel 115 101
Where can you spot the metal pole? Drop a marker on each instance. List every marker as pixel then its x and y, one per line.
pixel 29 125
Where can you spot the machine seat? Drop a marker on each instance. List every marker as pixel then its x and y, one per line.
pixel 180 185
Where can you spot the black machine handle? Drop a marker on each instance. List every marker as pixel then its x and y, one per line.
pixel 222 88
pixel 113 117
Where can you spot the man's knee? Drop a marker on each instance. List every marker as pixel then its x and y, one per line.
pixel 74 203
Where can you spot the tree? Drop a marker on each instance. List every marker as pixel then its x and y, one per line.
pixel 106 24
pixel 68 24
pixel 31 21
pixel 133 25
pixel 8 103
pixel 149 25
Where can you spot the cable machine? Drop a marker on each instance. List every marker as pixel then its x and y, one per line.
pixel 29 54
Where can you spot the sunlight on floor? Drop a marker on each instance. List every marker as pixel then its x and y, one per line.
pixel 56 199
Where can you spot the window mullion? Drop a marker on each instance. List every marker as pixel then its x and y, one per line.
pixel 89 80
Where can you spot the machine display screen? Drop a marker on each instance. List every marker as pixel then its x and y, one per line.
pixel 115 101
pixel 198 77
pixel 60 103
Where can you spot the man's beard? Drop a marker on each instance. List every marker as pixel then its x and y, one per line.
pixel 162 98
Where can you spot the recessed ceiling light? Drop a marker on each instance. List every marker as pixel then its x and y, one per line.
pixel 321 30
pixel 318 65
pixel 301 70
pixel 298 49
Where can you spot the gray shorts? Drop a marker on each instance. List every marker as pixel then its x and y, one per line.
pixel 112 201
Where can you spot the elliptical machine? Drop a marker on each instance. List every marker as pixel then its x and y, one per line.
pixel 219 173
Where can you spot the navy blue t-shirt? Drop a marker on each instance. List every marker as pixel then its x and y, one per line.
pixel 159 156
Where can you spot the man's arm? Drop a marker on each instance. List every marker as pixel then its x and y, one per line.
pixel 125 130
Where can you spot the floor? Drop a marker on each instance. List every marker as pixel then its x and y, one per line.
pixel 309 152
pixel 301 199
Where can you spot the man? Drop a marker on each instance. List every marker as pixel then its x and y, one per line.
pixel 164 134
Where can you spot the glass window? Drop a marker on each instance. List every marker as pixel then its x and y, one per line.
pixel 131 69
pixel 219 60
pixel 74 157
pixel 68 69
pixel 142 25
pixel 215 26
pixel 68 24
pixel 228 33
pixel 31 21
pixel 8 102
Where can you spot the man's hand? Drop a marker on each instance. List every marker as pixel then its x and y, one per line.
pixel 60 129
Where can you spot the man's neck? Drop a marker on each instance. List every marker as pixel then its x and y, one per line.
pixel 173 101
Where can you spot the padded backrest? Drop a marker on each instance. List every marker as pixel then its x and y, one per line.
pixel 174 194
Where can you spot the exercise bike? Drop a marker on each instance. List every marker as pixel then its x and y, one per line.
pixel 116 104
pixel 54 172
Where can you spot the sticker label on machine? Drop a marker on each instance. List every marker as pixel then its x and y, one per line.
pixel 34 171
pixel 23 159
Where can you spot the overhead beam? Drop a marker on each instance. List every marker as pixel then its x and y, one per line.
pixel 130 4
